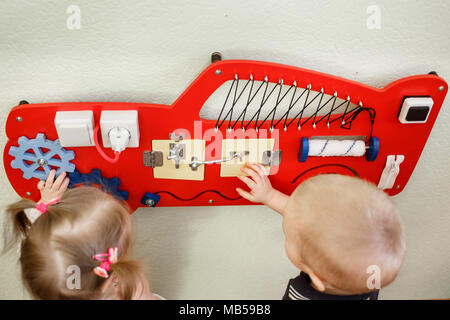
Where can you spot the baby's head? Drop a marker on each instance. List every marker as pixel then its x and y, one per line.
pixel 336 227
pixel 62 241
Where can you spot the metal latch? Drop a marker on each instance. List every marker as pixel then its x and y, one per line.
pixel 195 163
pixel 176 152
pixel 152 158
pixel 176 137
pixel 271 158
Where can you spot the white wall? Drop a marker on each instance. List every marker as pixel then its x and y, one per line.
pixel 149 51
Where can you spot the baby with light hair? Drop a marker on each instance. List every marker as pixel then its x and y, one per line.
pixel 343 233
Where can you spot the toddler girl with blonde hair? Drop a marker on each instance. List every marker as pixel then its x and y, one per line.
pixel 82 229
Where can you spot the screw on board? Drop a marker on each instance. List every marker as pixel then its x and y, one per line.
pixel 41 162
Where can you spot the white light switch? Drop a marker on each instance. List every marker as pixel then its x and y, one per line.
pixel 415 110
pixel 75 128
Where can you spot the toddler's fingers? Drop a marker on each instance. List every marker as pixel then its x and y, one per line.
pixel 245 194
pixel 50 179
pixel 258 168
pixel 263 168
pixel 64 185
pixel 252 173
pixel 249 182
pixel 58 181
pixel 41 185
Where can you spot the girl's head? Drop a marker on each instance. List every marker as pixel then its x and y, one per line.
pixel 62 241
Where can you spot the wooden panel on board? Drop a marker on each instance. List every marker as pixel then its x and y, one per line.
pixel 255 149
pixel 192 148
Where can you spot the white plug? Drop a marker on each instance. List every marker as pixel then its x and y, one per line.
pixel 119 137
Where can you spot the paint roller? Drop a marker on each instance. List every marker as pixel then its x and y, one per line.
pixel 338 147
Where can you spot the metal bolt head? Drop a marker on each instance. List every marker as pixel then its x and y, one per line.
pixel 41 162
pixel 398 186
pixel 28 193
pixel 211 201
pixel 149 203
pixel 441 88
pixel 216 56
pixel 19 119
pixel 218 72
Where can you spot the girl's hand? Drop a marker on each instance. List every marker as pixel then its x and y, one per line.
pixel 261 190
pixel 51 188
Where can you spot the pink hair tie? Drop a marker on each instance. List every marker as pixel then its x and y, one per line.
pixel 42 207
pixel 107 260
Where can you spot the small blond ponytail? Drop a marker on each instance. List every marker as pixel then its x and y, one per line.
pixel 131 279
pixel 20 224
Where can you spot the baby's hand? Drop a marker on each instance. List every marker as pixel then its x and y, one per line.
pixel 52 189
pixel 261 190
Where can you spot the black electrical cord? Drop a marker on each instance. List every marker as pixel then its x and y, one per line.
pixel 198 195
pixel 353 171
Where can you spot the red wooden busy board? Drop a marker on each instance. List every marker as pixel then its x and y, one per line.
pixel 380 126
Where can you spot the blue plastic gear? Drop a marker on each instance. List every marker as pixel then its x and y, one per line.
pixel 41 159
pixel 95 177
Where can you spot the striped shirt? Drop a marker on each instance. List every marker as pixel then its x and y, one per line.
pixel 300 288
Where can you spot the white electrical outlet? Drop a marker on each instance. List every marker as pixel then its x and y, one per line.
pixel 127 119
